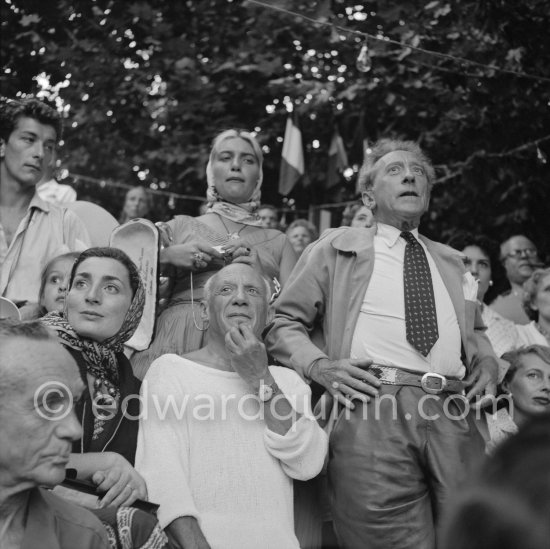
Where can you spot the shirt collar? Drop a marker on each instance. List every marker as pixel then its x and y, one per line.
pixel 41 523
pixel 390 234
pixel 38 203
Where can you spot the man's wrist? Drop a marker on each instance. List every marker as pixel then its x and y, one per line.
pixel 264 379
pixel 312 372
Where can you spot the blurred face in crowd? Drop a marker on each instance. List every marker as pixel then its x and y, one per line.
pixel 268 217
pixel 541 300
pixel 400 193
pixel 530 386
pixel 299 238
pixel 57 277
pixel 520 258
pixel 37 421
pixel 99 298
pixel 136 203
pixel 479 264
pixel 362 218
pixel 236 170
pixel 27 152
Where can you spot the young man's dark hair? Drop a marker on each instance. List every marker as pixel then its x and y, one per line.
pixel 11 110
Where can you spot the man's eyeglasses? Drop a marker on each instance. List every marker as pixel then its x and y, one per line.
pixel 517 254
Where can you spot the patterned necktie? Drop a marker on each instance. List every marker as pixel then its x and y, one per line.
pixel 420 315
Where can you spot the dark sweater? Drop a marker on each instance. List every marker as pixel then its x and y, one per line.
pixel 120 432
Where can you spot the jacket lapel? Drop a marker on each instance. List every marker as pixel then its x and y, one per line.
pixel 450 268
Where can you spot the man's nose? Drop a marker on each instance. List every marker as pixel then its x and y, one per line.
pixel 408 176
pixel 69 427
pixel 38 149
pixel 240 295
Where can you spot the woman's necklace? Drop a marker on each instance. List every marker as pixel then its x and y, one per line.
pixel 544 332
pixel 231 235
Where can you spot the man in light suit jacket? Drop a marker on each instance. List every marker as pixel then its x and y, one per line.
pixel 386 321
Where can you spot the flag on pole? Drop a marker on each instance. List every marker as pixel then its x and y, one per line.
pixel 337 160
pixel 292 163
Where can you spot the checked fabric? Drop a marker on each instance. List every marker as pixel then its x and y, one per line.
pixel 420 314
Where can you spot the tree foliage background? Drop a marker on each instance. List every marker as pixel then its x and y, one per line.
pixel 146 84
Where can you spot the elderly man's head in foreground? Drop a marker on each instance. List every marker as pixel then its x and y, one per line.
pixel 39 381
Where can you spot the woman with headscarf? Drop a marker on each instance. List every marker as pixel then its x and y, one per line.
pixel 103 307
pixel 198 247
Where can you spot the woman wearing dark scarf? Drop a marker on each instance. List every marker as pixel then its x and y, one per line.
pixel 198 247
pixel 103 307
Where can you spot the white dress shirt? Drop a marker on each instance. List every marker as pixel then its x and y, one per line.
pixel 380 332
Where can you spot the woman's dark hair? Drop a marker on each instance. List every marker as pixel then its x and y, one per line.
pixel 113 253
pixel 506 505
pixel 11 110
pixel 491 249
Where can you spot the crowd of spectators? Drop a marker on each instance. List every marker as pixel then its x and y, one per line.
pixel 366 387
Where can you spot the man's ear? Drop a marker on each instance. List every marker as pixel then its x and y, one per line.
pixel 2 148
pixel 368 199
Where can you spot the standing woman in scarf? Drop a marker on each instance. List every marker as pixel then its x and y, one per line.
pixel 197 247
pixel 103 307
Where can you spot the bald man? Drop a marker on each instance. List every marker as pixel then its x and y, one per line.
pixel 39 381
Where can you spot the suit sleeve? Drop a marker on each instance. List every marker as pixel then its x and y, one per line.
pixel 298 310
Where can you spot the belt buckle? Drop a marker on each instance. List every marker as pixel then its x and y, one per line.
pixel 433 390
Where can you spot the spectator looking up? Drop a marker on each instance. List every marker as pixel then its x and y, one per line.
pixel 388 483
pixel 103 308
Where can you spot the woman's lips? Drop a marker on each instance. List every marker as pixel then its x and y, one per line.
pixel 91 314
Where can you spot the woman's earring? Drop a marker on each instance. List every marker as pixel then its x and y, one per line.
pixel 490 282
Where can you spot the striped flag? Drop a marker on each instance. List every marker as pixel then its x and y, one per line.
pixel 337 160
pixel 292 163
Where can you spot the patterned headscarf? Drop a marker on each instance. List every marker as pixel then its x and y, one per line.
pixel 243 212
pixel 100 356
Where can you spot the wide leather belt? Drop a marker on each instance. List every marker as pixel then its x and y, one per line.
pixel 430 382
